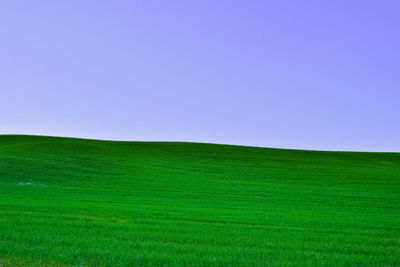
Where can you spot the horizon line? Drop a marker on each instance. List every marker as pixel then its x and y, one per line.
pixel 194 142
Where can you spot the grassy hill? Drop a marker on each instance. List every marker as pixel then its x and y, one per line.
pixel 73 201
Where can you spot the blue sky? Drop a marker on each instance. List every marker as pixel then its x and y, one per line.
pixel 290 74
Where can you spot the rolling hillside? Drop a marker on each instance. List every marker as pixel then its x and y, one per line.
pixel 66 201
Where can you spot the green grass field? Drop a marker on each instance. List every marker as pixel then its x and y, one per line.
pixel 67 201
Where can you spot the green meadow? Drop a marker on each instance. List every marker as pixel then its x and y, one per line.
pixel 76 202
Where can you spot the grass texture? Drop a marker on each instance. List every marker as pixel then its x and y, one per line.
pixel 73 202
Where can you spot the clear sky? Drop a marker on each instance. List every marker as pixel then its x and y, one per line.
pixel 290 74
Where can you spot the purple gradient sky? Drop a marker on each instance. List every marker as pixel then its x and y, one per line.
pixel 290 74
